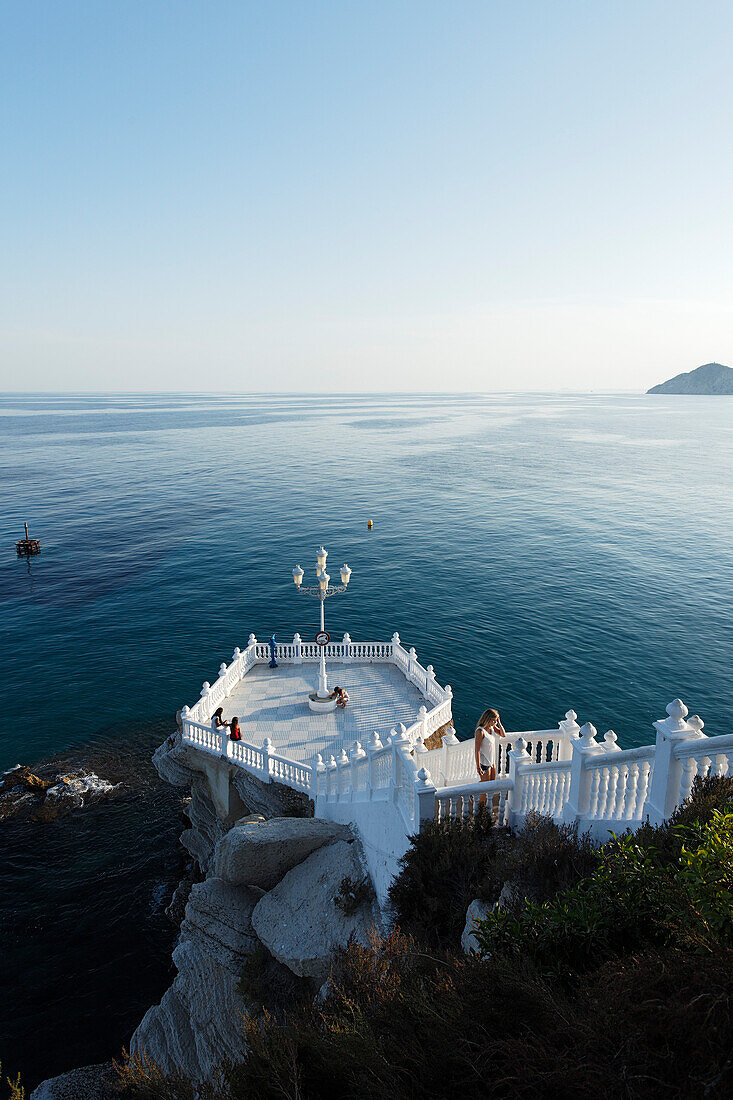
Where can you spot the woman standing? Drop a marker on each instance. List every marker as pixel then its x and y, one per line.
pixel 484 745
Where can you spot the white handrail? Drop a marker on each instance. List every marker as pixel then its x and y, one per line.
pixel 564 773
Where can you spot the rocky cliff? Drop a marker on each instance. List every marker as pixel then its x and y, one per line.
pixel 274 882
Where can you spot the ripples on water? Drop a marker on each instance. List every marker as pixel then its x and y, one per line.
pixel 542 552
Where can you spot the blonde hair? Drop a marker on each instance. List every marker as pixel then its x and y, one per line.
pixel 487 719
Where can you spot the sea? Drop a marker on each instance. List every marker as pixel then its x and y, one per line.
pixel 542 551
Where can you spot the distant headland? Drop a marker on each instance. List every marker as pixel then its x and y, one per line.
pixel 711 378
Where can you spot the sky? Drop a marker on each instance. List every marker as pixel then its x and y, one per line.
pixel 384 195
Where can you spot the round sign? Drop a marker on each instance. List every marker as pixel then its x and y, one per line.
pixel 323 637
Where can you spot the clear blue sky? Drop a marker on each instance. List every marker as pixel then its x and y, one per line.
pixel 299 195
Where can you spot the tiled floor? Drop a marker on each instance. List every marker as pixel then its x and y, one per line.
pixel 274 703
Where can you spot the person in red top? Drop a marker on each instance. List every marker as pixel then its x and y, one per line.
pixel 235 734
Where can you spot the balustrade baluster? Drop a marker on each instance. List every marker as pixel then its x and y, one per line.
pixel 593 801
pixel 613 776
pixel 623 779
pixel 721 765
pixel 689 770
pixel 602 797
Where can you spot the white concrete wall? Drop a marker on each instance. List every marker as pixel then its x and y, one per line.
pixel 382 834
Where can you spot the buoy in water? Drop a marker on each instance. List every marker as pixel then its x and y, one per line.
pixel 369 524
pixel 27 547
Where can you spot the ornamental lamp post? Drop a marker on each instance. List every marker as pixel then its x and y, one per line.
pixel 322 591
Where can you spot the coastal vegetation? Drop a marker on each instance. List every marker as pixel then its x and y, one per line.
pixel 11 1088
pixel 602 971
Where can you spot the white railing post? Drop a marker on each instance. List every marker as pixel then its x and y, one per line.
pixel 347 646
pixel 411 661
pixel 185 712
pixel 251 640
pixel 319 769
pixel 667 775
pixel 374 746
pixel 422 716
pixel 578 803
pixel 570 731
pixel 343 764
pixel 395 642
pixel 610 742
pixel 425 796
pixel 297 655
pixel 204 696
pixel 398 740
pixel 518 756
pixel 357 754
pixel 332 767
pixel 269 750
pixel 224 741
pixel 447 740
pixel 223 668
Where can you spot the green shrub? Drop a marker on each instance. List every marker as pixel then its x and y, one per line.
pixel 353 893
pixel 542 858
pixel 451 863
pixel 445 868
pixel 403 1024
pixel 637 897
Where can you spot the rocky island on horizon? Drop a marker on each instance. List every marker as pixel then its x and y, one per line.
pixel 710 379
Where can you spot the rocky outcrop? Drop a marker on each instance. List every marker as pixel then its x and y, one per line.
pixel 173 763
pixel 300 921
pixel 206 830
pixel 196 1025
pixel 259 853
pixel 290 871
pixel 87 1083
pixel 477 910
pixel 270 799
pixel 26 796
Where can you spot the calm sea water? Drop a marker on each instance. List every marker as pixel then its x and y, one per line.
pixel 543 552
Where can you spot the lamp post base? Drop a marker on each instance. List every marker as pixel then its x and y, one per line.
pixel 321 706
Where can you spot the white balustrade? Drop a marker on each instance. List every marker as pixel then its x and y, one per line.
pixel 702 757
pixel 567 774
pixel 619 784
pixel 460 803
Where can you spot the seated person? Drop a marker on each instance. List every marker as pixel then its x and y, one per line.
pixel 217 721
pixel 340 696
pixel 235 734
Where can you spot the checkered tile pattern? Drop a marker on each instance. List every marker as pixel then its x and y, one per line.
pixel 274 703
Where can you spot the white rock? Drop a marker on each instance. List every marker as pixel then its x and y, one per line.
pixel 270 799
pixel 197 1024
pixel 477 910
pixel 86 1083
pixel 206 829
pixel 259 853
pixel 173 762
pixel 299 922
